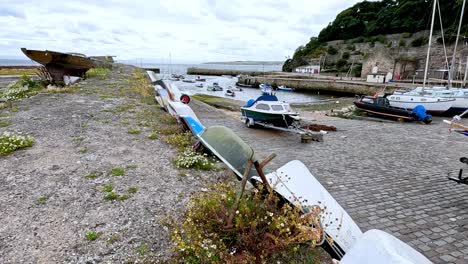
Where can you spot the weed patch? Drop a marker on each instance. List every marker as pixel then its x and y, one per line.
pixel 91 176
pixel 42 199
pixel 215 230
pixel 24 87
pixel 153 136
pixel 133 190
pixel 117 172
pixel 100 73
pixel 5 123
pixel 134 131
pixel 91 235
pixel 190 159
pixel 10 142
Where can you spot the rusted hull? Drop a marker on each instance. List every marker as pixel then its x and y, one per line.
pixel 60 64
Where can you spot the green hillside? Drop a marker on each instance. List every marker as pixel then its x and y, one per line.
pixel 370 21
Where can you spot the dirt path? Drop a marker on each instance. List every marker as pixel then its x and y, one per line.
pixel 48 204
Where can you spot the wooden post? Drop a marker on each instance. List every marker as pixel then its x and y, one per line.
pixel 243 184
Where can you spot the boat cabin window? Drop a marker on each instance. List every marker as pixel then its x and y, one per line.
pixel 263 107
pixel 277 107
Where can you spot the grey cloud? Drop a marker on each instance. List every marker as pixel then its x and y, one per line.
pixel 9 11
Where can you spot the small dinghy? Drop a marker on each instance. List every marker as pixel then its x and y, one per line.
pixel 200 85
pixel 229 92
pixel 199 79
pixel 379 105
pixel 284 88
pixel 188 80
pixel 215 87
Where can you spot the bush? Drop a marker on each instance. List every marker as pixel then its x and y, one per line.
pixel 341 63
pixel 351 47
pixel 260 228
pixel 189 159
pixel 345 55
pixel 407 35
pixel 418 42
pixel 332 50
pixel 10 142
pixel 402 43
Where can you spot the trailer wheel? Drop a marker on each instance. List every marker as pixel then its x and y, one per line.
pixel 249 123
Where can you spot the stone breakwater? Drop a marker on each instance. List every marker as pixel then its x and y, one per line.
pixel 323 85
pixel 219 72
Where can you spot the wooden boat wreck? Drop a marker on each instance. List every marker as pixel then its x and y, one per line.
pixel 60 64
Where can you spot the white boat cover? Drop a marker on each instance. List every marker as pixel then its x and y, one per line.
pixel 376 246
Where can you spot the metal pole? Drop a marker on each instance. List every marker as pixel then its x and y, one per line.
pixel 466 73
pixel 456 42
pixel 443 41
pixel 429 47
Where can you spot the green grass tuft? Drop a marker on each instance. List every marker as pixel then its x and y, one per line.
pixel 117 172
pixel 91 235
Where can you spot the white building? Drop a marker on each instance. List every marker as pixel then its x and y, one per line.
pixel 379 77
pixel 310 69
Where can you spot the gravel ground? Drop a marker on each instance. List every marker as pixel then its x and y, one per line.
pixel 48 205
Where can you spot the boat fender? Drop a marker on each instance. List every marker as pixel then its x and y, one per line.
pixel 420 113
pixel 185 99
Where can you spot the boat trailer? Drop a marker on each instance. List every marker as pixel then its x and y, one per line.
pixel 461 179
pixel 306 135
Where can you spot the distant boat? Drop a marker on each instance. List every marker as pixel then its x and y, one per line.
pixel 379 105
pixel 245 85
pixel 60 64
pixel 188 80
pixel 178 76
pixel 230 93
pixel 199 79
pixel 199 85
pixel 284 88
pixel 266 88
pixel 268 109
pixel 215 87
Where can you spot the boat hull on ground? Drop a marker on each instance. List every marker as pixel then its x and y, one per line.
pixel 296 184
pixel 59 64
pixel 377 246
pixel 434 106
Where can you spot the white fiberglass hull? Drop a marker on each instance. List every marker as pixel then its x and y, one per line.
pixel 432 105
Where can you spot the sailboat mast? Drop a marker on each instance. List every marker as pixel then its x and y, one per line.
pixel 466 73
pixel 429 45
pixel 456 44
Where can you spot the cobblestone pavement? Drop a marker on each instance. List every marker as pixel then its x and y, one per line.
pixel 388 176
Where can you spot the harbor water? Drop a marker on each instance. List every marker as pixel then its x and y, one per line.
pixel 246 93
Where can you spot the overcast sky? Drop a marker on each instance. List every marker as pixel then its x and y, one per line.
pixel 189 30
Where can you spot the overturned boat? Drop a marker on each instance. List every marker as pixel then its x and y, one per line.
pixel 61 64
pixel 379 105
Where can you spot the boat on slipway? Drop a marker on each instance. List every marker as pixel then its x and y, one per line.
pixel 268 109
pixel 409 100
pixel 379 105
